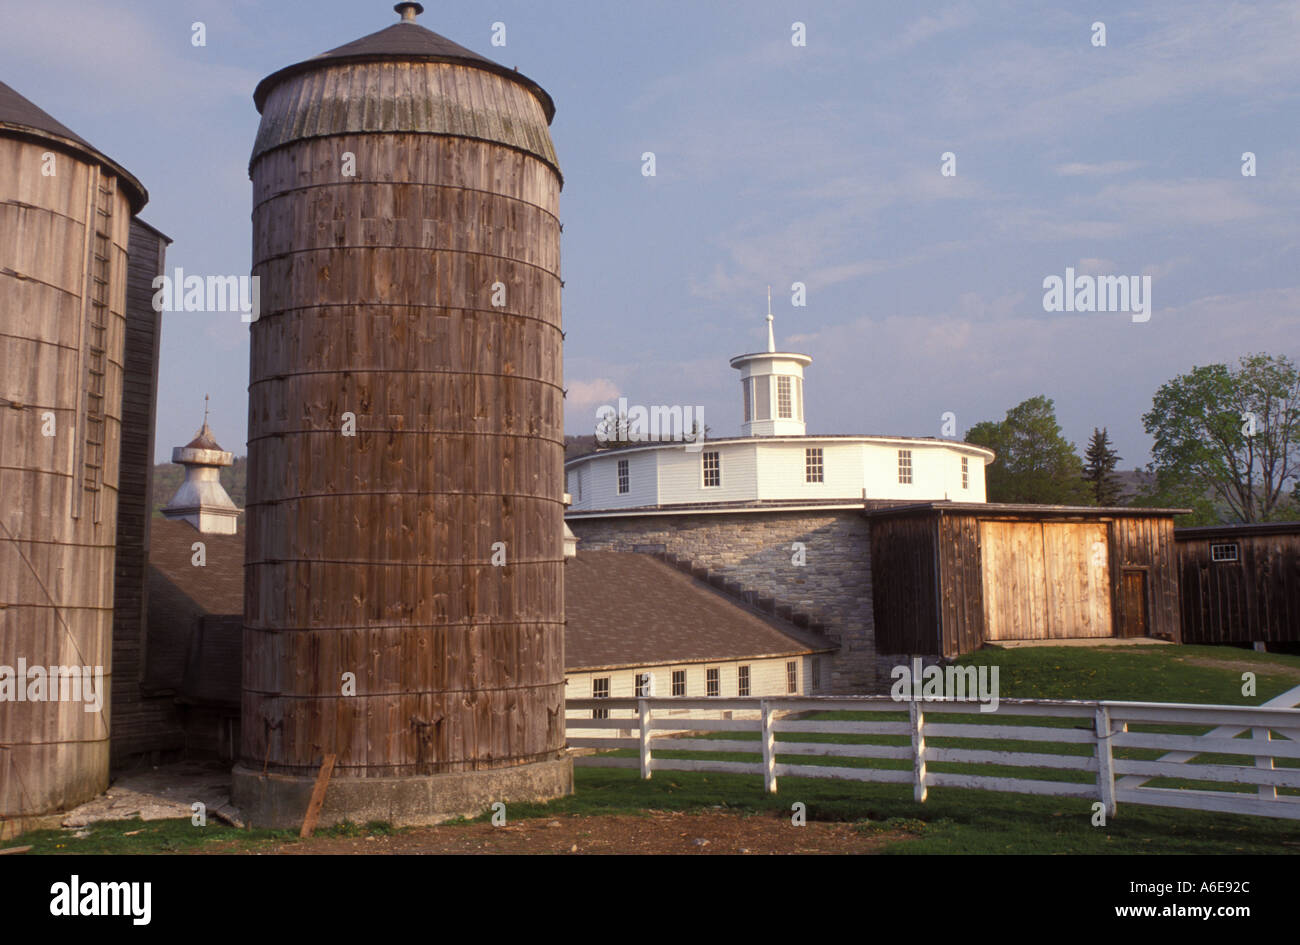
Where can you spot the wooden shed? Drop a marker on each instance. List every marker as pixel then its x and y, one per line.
pixel 1240 583
pixel 65 216
pixel 948 577
pixel 404 604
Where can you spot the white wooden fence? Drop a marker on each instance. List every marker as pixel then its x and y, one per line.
pixel 1109 729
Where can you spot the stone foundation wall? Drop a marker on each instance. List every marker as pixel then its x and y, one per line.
pixel 757 550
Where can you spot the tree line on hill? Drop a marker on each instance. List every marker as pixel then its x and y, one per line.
pixel 1226 444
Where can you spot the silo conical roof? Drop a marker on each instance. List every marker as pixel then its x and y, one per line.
pixel 404 79
pixel 21 116
pixel 406 41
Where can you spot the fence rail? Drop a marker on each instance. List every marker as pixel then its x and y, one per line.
pixel 1100 745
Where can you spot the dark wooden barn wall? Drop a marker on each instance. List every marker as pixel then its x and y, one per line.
pixel 1146 544
pixel 904 585
pixel 961 596
pixel 1253 599
pixel 139 724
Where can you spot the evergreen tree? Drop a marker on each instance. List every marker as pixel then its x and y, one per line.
pixel 1035 462
pixel 1099 468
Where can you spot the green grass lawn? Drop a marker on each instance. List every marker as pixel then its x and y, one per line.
pixel 951 820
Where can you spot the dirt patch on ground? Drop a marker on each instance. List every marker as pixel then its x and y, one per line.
pixel 654 832
pixel 1243 666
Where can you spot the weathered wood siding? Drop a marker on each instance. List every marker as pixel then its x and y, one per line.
pixel 961 600
pixel 905 589
pixel 945 581
pixel 1146 544
pixel 139 724
pixel 1045 580
pixel 63 245
pixel 1255 599
pixel 372 554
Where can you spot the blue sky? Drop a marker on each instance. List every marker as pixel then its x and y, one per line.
pixel 778 164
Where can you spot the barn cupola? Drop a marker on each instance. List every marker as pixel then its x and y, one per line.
pixel 202 500
pixel 771 384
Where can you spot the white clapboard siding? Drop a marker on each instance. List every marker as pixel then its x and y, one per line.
pixel 774 470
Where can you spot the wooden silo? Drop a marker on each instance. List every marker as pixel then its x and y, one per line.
pixel 405 442
pixel 65 216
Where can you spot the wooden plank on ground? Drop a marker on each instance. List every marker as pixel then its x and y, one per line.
pixel 317 796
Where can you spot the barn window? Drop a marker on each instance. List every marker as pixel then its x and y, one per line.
pixel 642 685
pixel 712 469
pixel 784 408
pixel 712 684
pixel 1224 552
pixel 965 473
pixel 679 682
pixel 600 690
pixel 816 673
pixel 905 467
pixel 792 676
pixel 813 467
pixel 742 681
pixel 624 479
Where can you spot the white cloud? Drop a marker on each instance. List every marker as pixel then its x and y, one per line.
pixel 587 395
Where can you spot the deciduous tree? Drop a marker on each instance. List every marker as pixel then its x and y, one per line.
pixel 1035 462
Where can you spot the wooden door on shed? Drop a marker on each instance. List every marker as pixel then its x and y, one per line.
pixel 1078 580
pixel 1015 593
pixel 1045 580
pixel 1133 592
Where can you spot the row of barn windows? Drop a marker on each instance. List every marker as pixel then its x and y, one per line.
pixel 712 683
pixel 814 465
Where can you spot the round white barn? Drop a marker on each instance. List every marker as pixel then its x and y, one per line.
pixel 774 462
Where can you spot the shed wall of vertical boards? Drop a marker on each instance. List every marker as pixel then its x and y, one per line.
pixel 945 581
pixel 1253 599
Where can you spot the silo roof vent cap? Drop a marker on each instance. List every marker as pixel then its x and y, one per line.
pixel 409 11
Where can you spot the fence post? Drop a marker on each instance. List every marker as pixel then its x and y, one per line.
pixel 643 721
pixel 1264 761
pixel 769 750
pixel 1105 760
pixel 917 718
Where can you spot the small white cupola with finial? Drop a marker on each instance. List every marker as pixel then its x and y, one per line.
pixel 202 500
pixel 771 382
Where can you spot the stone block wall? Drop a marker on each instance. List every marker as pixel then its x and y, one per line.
pixel 756 550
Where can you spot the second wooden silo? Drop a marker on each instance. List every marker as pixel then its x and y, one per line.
pixel 404 598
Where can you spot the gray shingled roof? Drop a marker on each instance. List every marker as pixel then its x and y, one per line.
pixel 624 609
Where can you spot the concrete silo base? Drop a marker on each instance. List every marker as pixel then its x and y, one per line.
pixel 280 801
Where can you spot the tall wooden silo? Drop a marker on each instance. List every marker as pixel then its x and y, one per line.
pixel 65 216
pixel 404 600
